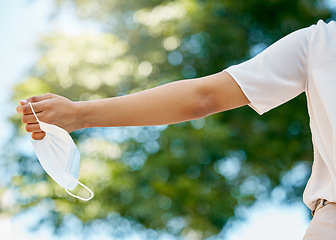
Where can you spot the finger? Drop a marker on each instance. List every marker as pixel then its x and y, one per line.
pixel 38 135
pixel 30 118
pixel 19 108
pixel 23 102
pixel 41 97
pixel 33 127
pixel 26 109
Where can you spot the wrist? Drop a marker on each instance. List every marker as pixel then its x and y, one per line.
pixel 81 115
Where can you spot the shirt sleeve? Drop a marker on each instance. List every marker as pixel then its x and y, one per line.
pixel 277 74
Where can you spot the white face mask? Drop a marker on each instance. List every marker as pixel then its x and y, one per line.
pixel 59 156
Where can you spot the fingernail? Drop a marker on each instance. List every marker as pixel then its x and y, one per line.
pixel 24 101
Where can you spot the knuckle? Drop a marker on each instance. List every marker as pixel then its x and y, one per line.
pixel 34 99
pixel 51 118
pixel 25 110
pixel 48 118
pixel 47 105
pixel 45 118
pixel 28 128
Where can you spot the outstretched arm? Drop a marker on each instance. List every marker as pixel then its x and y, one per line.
pixel 170 103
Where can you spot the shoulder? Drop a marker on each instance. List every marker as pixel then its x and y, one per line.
pixel 324 30
pixel 323 43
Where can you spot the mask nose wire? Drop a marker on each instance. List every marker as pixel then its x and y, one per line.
pixel 31 106
pixel 83 199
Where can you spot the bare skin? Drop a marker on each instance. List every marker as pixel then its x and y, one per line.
pixel 167 104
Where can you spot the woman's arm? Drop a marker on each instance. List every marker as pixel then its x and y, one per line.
pixel 170 103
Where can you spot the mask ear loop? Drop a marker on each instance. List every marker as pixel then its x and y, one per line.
pixel 31 106
pixel 83 199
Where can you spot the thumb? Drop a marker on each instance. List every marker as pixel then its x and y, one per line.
pixel 41 97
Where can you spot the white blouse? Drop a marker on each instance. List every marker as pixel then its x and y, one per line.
pixel 303 61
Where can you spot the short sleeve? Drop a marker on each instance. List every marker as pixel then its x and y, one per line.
pixel 277 74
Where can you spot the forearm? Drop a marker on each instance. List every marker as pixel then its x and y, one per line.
pixel 170 103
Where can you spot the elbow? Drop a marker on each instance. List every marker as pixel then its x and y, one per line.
pixel 203 106
pixel 216 93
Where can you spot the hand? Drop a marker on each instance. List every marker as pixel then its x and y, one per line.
pixel 49 108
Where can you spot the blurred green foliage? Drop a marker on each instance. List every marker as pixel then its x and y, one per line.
pixel 184 177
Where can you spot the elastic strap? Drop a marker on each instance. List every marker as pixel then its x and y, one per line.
pixel 31 106
pixel 83 199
